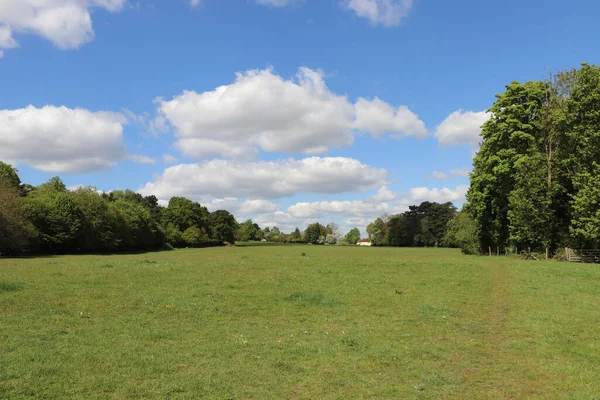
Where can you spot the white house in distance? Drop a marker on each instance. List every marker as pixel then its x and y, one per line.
pixel 364 242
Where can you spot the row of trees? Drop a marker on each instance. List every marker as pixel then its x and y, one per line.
pixel 424 225
pixel 51 219
pixel 536 177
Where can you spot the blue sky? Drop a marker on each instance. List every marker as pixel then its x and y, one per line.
pixel 340 110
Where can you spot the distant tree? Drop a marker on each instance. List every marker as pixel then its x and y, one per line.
pixel 195 237
pixel 313 234
pixel 55 185
pixel 100 221
pixel 353 236
pixel 331 239
pixel 334 229
pixel 174 236
pixel 138 230
pixel 377 232
pixel 248 231
pixel 185 213
pixel 296 236
pixel 223 226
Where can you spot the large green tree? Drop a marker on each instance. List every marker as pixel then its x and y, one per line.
pixel 508 137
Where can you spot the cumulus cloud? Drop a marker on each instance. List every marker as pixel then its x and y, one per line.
pixel 240 208
pixel 461 127
pixel 61 139
pixel 420 194
pixel 282 220
pixel 66 23
pixel 454 173
pixel 380 118
pixel 381 12
pixel 266 179
pixel 320 209
pixel 362 212
pixel 383 194
pixel 262 110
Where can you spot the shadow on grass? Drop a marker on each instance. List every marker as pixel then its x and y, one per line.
pixel 312 299
pixel 6 287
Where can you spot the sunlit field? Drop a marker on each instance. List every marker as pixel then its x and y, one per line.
pixel 269 322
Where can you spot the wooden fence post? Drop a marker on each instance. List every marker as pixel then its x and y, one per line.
pixel 567 254
pixel 490 249
pixel 546 254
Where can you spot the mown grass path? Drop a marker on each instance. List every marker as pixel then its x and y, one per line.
pixel 269 323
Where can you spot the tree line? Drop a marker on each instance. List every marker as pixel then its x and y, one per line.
pixel 536 177
pixel 50 219
pixel 424 225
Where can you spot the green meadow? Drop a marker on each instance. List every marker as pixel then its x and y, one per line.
pixel 298 322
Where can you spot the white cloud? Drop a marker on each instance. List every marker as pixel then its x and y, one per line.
pixel 266 179
pixel 277 3
pixel 454 173
pixel 284 221
pixel 320 209
pixel 262 110
pixel 380 118
pixel 61 139
pixel 461 127
pixel 195 3
pixel 347 214
pixel 254 207
pixel 170 159
pixel 420 194
pixel 362 212
pixel 381 12
pixel 383 194
pixel 66 23
pixel 142 159
pixel 240 209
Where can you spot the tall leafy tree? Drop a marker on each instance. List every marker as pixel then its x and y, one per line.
pixel 511 133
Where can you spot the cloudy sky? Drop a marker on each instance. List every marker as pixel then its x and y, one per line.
pixel 285 111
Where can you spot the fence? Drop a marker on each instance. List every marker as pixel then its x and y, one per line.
pixel 583 255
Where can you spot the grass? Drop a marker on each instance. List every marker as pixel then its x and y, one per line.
pixel 264 322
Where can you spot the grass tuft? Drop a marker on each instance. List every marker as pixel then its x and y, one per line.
pixel 10 287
